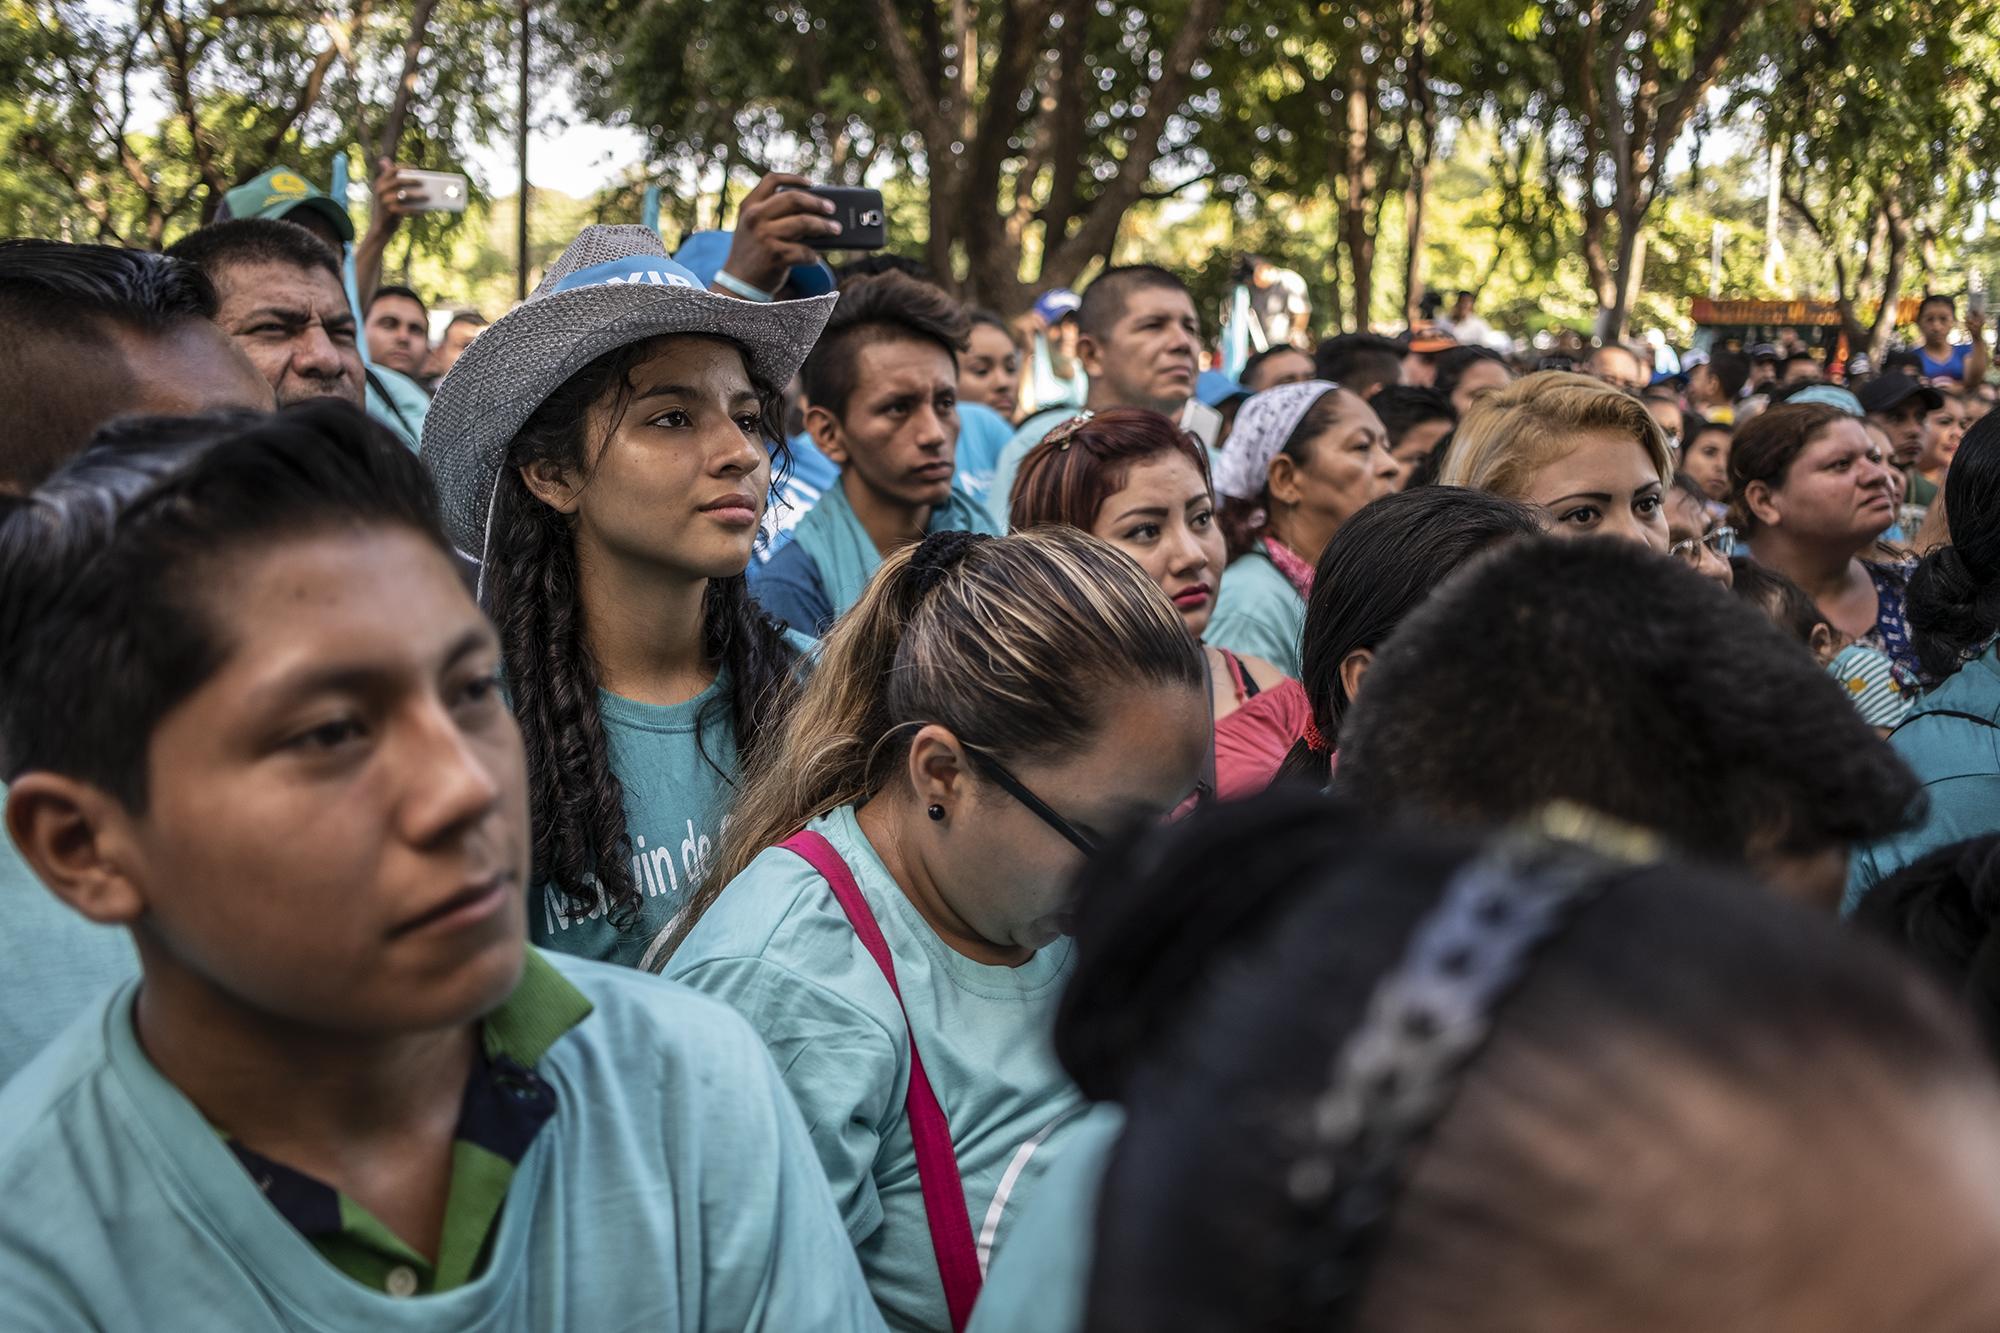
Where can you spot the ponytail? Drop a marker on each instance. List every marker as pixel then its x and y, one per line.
pixel 1009 642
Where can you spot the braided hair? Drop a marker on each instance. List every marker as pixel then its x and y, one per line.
pixel 576 802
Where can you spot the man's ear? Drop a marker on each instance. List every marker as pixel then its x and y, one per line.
pixel 553 484
pixel 824 427
pixel 1090 353
pixel 77 838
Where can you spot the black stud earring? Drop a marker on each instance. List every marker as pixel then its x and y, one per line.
pixel 936 812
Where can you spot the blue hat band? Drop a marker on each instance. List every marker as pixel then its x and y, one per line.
pixel 638 271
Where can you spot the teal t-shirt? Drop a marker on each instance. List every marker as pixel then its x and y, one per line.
pixel 1258 612
pixel 1000 490
pixel 674 1188
pixel 53 962
pixel 1042 1283
pixel 679 781
pixel 1958 761
pixel 777 946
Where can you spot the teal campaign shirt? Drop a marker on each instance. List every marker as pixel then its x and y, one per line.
pixel 1958 761
pixel 677 763
pixel 1000 491
pixel 831 558
pixel 1259 613
pixel 777 947
pixel 1042 1283
pixel 673 1188
pixel 53 962
pixel 982 434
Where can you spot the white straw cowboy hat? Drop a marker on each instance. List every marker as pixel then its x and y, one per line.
pixel 611 287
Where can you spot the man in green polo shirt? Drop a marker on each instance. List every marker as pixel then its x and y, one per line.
pixel 251 715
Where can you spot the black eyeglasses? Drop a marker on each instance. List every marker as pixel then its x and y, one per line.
pixel 1039 808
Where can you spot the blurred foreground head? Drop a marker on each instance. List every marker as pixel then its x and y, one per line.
pixel 1379 1081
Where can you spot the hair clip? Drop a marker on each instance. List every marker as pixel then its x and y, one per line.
pixel 1396 1075
pixel 1066 430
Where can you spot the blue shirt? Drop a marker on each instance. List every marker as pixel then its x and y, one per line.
pixel 677 764
pixel 1258 613
pixel 674 1188
pixel 1952 366
pixel 777 946
pixel 811 475
pixel 1042 1283
pixel 1958 761
pixel 54 963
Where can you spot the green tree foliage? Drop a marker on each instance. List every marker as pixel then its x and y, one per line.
pixel 128 123
pixel 1035 125
pixel 1887 117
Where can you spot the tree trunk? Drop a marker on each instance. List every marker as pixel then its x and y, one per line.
pixel 1626 276
pixel 1420 146
pixel 1898 231
pixel 1357 206
pixel 1595 261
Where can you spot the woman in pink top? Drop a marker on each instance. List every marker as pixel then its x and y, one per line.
pixel 1138 481
pixel 1378 568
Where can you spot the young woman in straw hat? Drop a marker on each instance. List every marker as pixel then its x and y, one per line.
pixel 606 451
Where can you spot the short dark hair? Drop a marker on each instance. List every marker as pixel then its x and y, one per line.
pixel 1697 718
pixel 1731 371
pixel 1404 407
pixel 1937 298
pixel 990 319
pixel 1104 300
pixel 1783 602
pixel 107 610
pixel 1453 362
pixel 59 304
pixel 1943 910
pixel 254 241
pixel 1362 362
pixel 472 317
pixel 1224 963
pixel 882 308
pixel 1380 566
pixel 1257 359
pixel 396 289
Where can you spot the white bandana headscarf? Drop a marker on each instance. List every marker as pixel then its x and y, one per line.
pixel 1263 424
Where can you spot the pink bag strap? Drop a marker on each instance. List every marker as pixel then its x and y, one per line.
pixel 937 1162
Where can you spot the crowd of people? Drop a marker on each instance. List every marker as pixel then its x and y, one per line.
pixel 750 795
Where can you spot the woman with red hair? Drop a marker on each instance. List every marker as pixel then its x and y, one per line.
pixel 1133 478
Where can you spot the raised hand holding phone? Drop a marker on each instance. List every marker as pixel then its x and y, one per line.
pixel 782 225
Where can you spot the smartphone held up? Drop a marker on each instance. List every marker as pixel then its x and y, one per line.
pixel 864 223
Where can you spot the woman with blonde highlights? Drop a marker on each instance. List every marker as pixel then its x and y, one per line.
pixel 1590 457
pixel 895 878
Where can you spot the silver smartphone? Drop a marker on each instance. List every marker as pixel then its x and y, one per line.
pixel 435 191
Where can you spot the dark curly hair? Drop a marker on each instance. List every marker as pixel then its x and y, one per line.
pixel 1602 673
pixel 576 801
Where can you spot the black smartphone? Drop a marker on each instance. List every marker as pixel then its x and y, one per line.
pixel 864 224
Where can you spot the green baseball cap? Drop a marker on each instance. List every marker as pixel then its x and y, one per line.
pixel 280 190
